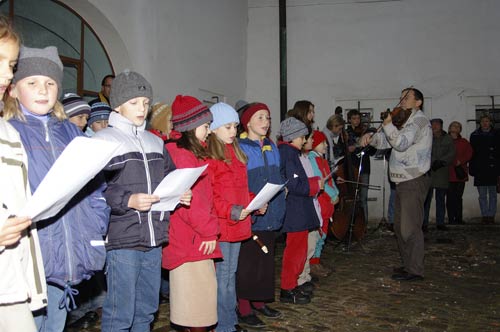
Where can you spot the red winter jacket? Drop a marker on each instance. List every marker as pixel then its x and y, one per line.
pixel 231 195
pixel 463 154
pixel 190 225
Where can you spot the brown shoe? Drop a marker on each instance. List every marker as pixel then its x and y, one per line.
pixel 320 270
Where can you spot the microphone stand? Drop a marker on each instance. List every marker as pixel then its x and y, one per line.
pixel 353 214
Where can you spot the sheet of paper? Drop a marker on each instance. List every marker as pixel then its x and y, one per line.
pixel 174 185
pixel 264 196
pixel 80 161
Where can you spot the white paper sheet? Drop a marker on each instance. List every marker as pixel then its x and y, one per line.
pixel 174 185
pixel 80 161
pixel 264 196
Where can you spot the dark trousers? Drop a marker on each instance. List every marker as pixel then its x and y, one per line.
pixel 408 217
pixel 454 202
pixel 440 205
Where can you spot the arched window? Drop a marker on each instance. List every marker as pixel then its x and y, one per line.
pixel 48 22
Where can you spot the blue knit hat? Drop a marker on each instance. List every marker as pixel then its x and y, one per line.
pixel 98 111
pixel 223 114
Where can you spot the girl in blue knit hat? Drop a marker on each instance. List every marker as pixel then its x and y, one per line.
pixel 231 194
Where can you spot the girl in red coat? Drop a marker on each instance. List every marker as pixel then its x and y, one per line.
pixel 231 194
pixel 194 229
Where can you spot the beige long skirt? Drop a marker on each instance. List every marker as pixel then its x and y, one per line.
pixel 193 294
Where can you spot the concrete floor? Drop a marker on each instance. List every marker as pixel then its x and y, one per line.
pixel 461 290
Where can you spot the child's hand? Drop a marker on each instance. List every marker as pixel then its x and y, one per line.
pixel 142 202
pixel 244 213
pixel 11 230
pixel 207 247
pixel 336 200
pixel 186 198
pixel 263 209
pixel 321 184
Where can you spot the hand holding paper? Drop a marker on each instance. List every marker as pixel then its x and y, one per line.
pixel 80 161
pixel 264 196
pixel 174 187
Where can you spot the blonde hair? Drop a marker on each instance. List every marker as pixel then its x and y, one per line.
pixel 334 120
pixel 7 31
pixel 217 149
pixel 12 109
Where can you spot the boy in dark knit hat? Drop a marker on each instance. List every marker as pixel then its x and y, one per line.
pixel 77 109
pixel 98 120
pixel 135 234
pixel 301 216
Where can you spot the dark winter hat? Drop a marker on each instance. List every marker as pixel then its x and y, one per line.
pixel 99 111
pixel 128 85
pixel 222 114
pixel 189 113
pixel 250 111
pixel 318 137
pixel 438 120
pixel 39 61
pixel 291 128
pixel 75 105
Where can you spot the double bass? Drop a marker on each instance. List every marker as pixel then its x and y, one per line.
pixel 349 217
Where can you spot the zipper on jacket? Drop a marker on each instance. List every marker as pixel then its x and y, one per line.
pixel 67 234
pixel 148 178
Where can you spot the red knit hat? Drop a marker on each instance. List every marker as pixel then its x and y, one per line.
pixel 189 113
pixel 250 111
pixel 318 137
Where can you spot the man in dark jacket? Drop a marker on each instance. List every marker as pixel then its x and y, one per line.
pixel 443 153
pixel 485 166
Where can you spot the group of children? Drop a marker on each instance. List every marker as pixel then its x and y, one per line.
pixel 218 274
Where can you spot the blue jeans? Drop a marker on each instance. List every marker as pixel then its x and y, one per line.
pixel 440 205
pixel 53 318
pixel 226 286
pixel 133 279
pixel 487 200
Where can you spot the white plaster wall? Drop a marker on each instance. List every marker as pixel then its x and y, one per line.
pixel 180 46
pixel 350 50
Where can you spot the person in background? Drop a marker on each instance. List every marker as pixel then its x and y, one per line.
pixel 103 96
pixel 458 178
pixel 22 280
pixel 160 121
pixel 355 130
pixel 77 110
pixel 485 166
pixel 303 110
pixel 443 153
pixel 337 143
pixel 255 277
pixel 65 239
pixel 160 124
pixel 98 119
